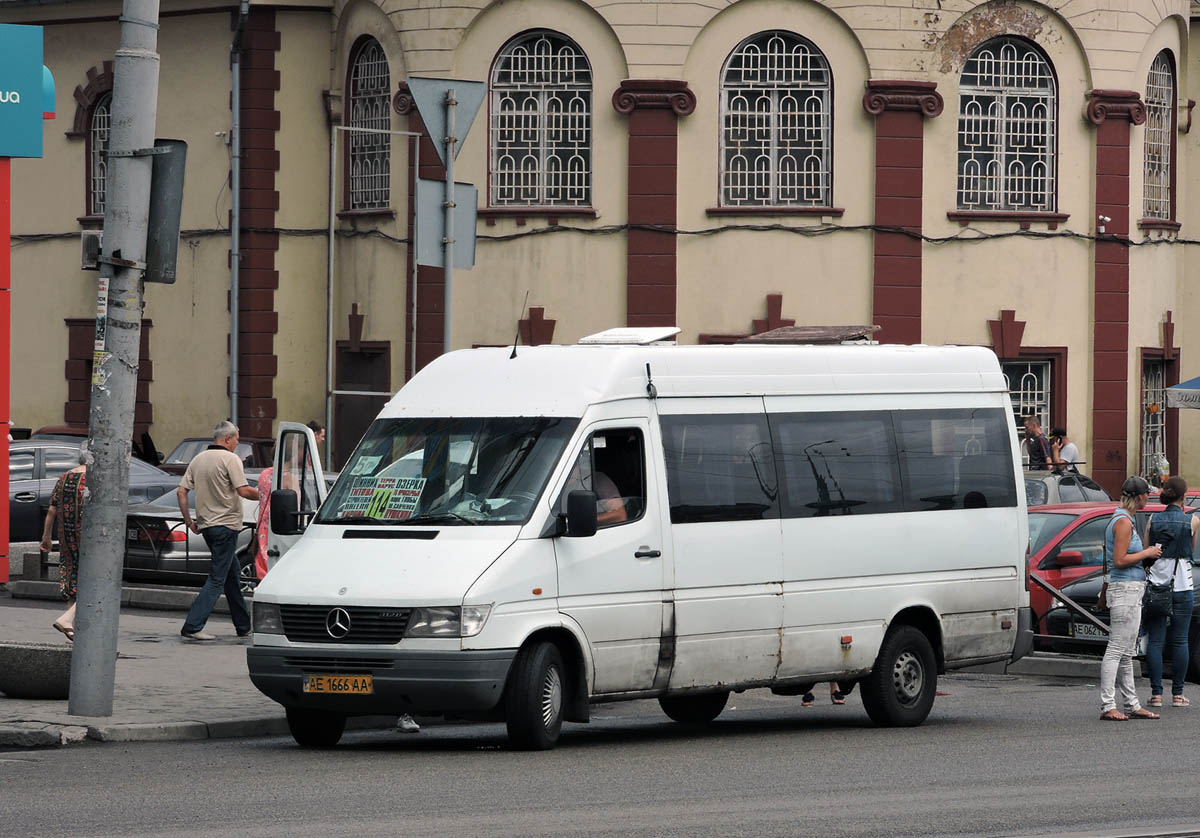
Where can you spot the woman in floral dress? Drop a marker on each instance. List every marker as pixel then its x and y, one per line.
pixel 66 505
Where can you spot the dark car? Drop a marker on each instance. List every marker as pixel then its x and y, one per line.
pixel 1068 631
pixel 1048 487
pixel 36 464
pixel 255 452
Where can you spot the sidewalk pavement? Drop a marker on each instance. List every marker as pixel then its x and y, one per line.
pixel 167 688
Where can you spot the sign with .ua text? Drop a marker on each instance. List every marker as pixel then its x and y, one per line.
pixel 21 99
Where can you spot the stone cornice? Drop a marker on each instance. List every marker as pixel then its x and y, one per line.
pixel 638 94
pixel 1115 104
pixel 886 95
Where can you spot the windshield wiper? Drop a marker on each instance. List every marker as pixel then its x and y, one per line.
pixel 436 518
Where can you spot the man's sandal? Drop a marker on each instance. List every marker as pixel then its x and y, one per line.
pixel 1143 713
pixel 1113 716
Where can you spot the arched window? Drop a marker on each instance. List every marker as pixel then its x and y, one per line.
pixel 776 124
pixel 1158 199
pixel 1007 129
pixel 99 124
pixel 541 123
pixel 369 107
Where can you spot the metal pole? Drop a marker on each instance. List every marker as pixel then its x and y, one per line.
pixel 114 373
pixel 448 256
pixel 235 226
pixel 415 143
pixel 329 269
pixel 6 349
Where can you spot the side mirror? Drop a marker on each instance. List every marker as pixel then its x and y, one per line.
pixel 285 509
pixel 581 514
pixel 1066 558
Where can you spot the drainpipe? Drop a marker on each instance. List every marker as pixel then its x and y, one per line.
pixel 235 224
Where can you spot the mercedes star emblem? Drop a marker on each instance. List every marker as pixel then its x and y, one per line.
pixel 337 623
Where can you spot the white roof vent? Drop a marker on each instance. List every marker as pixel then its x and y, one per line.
pixel 636 336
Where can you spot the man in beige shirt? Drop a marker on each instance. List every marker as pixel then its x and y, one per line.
pixel 216 478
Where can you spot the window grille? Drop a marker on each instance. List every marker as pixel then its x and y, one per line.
pixel 1007 121
pixel 541 123
pixel 1160 104
pixel 98 135
pixel 1029 390
pixel 776 124
pixel 370 107
pixel 1154 419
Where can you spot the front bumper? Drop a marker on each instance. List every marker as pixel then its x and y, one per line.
pixel 422 682
pixel 1024 640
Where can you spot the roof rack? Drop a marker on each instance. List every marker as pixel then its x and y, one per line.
pixel 633 336
pixel 815 334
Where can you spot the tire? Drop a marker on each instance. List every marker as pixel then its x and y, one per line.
pixel 315 728
pixel 694 709
pixel 533 705
pixel 248 577
pixel 900 689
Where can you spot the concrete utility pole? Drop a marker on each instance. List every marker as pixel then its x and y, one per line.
pixel 114 375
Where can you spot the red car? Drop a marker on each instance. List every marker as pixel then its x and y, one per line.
pixel 1066 541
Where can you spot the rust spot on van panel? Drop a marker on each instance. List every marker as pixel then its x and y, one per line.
pixel 1000 17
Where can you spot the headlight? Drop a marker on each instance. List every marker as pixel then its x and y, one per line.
pixel 266 618
pixel 473 618
pixel 441 621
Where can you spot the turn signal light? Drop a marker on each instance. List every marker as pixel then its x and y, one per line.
pixel 847 639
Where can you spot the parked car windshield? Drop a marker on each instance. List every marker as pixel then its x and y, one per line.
pixel 1043 526
pixel 189 448
pixel 448 471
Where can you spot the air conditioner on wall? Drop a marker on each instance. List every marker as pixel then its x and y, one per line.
pixel 89 257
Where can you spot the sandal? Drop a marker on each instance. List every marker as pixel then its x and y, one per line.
pixel 1155 701
pixel 807 700
pixel 837 698
pixel 1113 715
pixel 1180 701
pixel 67 630
pixel 1143 713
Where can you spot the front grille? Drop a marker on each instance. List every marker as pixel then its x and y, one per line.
pixel 306 624
pixel 337 664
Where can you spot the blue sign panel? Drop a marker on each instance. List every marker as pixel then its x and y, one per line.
pixel 21 96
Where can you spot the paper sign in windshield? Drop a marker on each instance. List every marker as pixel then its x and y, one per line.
pixel 386 498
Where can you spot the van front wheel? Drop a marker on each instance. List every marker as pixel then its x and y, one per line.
pixel 900 689
pixel 315 728
pixel 694 709
pixel 534 704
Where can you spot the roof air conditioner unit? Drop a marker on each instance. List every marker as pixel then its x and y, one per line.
pixel 89 259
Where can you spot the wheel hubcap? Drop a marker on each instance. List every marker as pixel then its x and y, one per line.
pixel 551 696
pixel 908 677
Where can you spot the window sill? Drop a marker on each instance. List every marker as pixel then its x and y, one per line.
pixel 1163 224
pixel 1025 219
pixel 831 212
pixel 520 214
pixel 384 212
pixel 91 222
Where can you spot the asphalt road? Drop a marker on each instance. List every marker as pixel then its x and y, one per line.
pixel 999 755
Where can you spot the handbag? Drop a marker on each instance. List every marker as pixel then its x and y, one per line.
pixel 1158 599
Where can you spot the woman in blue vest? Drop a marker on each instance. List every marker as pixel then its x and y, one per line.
pixel 1176 531
pixel 1123 556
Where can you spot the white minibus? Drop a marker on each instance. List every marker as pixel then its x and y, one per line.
pixel 521 533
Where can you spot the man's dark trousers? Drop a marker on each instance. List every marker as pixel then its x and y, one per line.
pixel 224 575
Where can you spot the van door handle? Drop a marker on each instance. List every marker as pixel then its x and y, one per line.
pixel 644 552
pixel 25 497
pixel 273 553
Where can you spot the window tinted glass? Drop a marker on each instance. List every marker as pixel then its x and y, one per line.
pixel 955 459
pixel 837 463
pixel 1092 490
pixel 1044 526
pixel 719 468
pixel 1069 490
pixel 612 465
pixel 1087 539
pixel 20 465
pixel 59 460
pixel 1036 493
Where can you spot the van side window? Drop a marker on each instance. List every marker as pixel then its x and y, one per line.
pixel 720 468
pixel 837 463
pixel 613 465
pixel 955 459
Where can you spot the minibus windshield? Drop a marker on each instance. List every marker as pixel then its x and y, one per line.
pixel 447 471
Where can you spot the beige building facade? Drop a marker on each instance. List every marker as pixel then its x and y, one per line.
pixel 1005 173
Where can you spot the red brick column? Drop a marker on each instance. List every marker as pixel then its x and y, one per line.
pixel 653 107
pixel 1112 111
pixel 900 109
pixel 258 321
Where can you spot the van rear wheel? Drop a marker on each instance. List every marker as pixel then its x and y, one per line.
pixel 534 703
pixel 315 728
pixel 900 689
pixel 693 709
